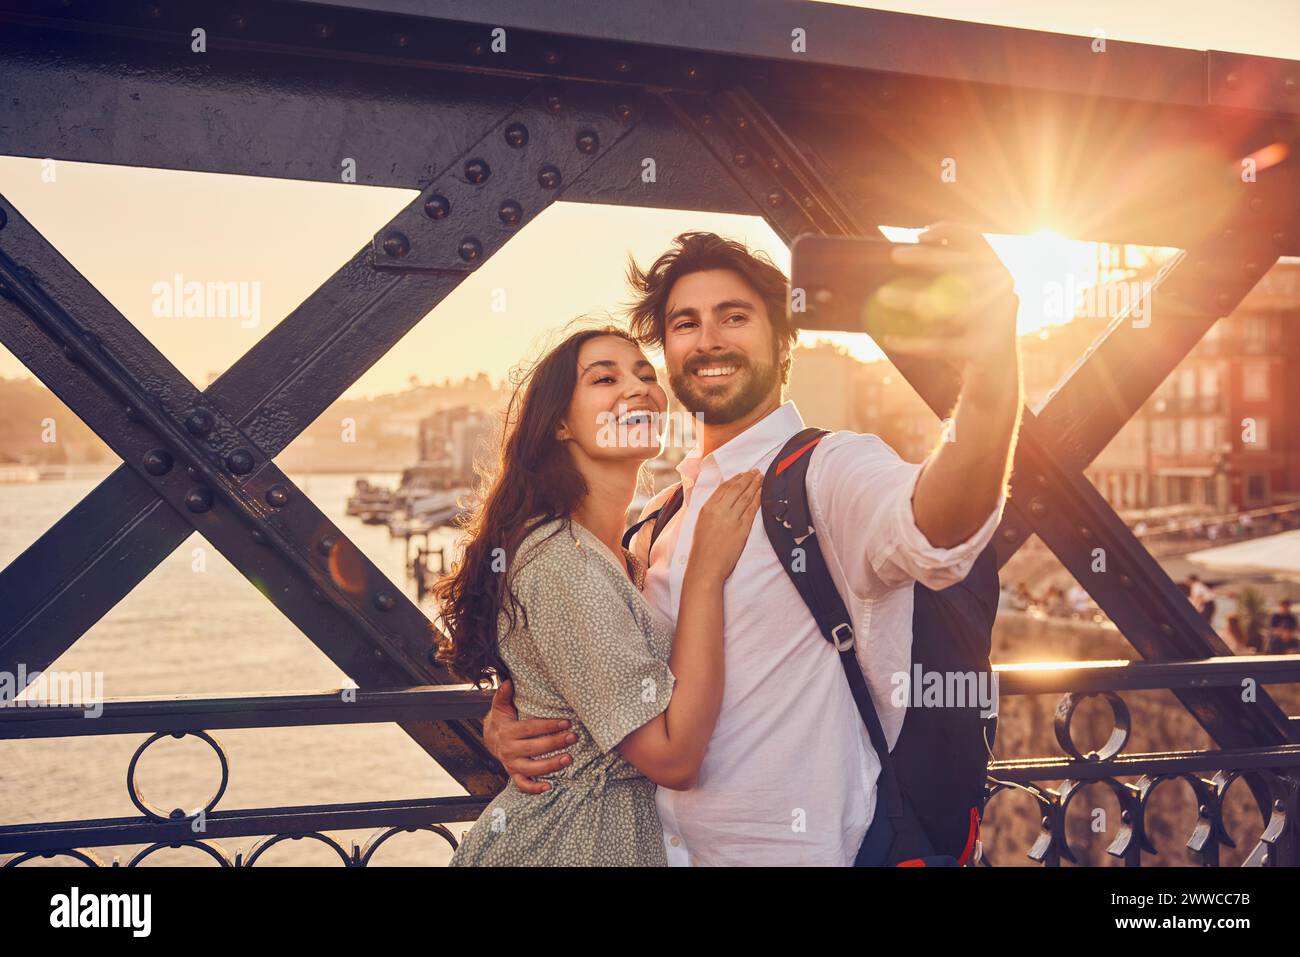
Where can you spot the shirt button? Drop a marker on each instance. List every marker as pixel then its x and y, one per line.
pixel 675 841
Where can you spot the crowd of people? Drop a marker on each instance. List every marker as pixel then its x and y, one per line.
pixel 1277 635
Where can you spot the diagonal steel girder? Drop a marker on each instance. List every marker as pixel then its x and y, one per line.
pixel 112 377
pixel 1047 496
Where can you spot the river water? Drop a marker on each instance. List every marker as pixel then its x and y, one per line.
pixel 196 626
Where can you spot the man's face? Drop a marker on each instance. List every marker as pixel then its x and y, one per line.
pixel 722 353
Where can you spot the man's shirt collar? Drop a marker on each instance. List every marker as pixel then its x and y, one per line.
pixel 746 450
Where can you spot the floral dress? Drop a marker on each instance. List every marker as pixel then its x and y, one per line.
pixel 590 648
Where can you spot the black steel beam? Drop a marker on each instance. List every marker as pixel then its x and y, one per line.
pixel 594 39
pixel 568 135
pixel 182 713
pixel 1083 677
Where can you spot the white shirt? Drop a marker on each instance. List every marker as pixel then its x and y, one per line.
pixel 789 777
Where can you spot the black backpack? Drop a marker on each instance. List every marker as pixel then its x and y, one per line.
pixel 933 782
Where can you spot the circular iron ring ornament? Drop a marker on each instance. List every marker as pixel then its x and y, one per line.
pixel 1118 735
pixel 156 813
pixel 88 858
pixel 379 837
pixel 264 845
pixel 210 848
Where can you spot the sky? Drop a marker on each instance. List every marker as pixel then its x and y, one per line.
pixel 133 232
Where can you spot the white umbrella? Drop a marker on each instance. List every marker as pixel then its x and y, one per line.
pixel 1277 555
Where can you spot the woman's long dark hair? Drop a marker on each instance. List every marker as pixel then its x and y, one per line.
pixel 533 481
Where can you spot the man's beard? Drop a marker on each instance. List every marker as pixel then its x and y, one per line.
pixel 758 382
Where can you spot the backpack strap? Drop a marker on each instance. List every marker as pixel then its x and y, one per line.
pixel 660 516
pixel 787 518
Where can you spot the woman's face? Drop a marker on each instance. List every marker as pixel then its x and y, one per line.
pixel 618 406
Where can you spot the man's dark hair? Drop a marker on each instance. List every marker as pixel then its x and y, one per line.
pixel 695 252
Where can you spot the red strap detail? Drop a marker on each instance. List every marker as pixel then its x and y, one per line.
pixel 971 837
pixel 793 457
pixel 914 862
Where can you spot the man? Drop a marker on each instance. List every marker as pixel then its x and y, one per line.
pixel 1202 597
pixel 790 774
pixel 1282 628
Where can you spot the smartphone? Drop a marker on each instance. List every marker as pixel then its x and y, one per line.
pixel 838 281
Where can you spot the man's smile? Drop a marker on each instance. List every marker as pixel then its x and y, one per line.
pixel 716 372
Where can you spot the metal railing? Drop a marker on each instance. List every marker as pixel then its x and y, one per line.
pixel 1271 773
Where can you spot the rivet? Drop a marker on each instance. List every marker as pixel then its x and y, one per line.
pixel 401 40
pixel 1229 234
pixel 774 164
pixel 775 199
pixel 198 499
pixel 194 472
pixel 476 49
pixel 510 212
pixel 1223 298
pixel 317 595
pixel 808 202
pixel 623 111
pixel 326 544
pixel 742 123
pixel 1126 581
pixel 1085 532
pixel 1232 81
pixel 477 171
pixel 437 206
pixel 691 73
pixel 157 461
pixel 200 422
pixel 396 245
pixel 258 536
pixel 706 119
pixel 277 496
pixel 1009 534
pixel 1279 237
pixel 1256 204
pixel 516 135
pixel 623 66
pixel 548 177
pixel 323 31
pixel 554 103
pixel 1166 628
pixel 551 57
pixel 588 142
pixel 741 158
pixel 1251 267
pixel 470 249
pixel 1290 85
pixel 240 461
pixel 385 601
pixel 1037 508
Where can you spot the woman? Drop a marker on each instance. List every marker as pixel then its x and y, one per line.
pixel 546 595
